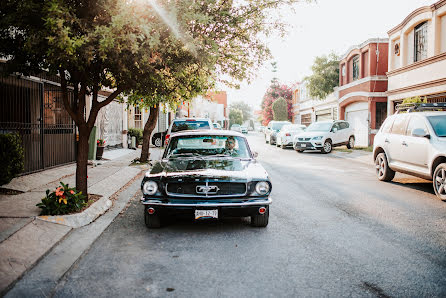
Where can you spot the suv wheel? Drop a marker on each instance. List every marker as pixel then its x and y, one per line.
pixel 282 146
pixel 327 147
pixel 152 221
pixel 158 142
pixel 260 220
pixel 351 142
pixel 440 181
pixel 383 171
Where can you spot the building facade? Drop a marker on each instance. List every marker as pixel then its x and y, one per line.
pixel 417 56
pixel 362 88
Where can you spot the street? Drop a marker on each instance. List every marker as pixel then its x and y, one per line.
pixel 334 230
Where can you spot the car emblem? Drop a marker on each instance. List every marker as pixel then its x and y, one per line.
pixel 207 189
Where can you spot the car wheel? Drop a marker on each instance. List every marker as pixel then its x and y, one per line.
pixel 300 151
pixel 260 220
pixel 327 147
pixel 439 181
pixel 383 171
pixel 282 146
pixel 153 221
pixel 351 142
pixel 158 142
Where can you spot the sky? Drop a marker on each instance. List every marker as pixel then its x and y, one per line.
pixel 320 28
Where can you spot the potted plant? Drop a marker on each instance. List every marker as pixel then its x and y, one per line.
pixel 100 148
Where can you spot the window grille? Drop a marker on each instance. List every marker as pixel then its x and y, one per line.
pixel 420 38
pixel 356 68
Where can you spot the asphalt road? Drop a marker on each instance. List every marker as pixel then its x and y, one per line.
pixel 334 230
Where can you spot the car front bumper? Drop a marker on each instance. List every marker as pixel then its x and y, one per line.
pixel 316 145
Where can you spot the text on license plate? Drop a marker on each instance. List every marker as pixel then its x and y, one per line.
pixel 303 145
pixel 203 214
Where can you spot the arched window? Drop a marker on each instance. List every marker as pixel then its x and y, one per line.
pixel 355 65
pixel 420 42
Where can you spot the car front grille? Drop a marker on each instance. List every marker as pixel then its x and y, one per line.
pixel 303 139
pixel 203 189
pixel 307 145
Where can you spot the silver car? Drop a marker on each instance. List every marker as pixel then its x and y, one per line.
pixel 414 143
pixel 286 135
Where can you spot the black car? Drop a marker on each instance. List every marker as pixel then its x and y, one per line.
pixel 207 175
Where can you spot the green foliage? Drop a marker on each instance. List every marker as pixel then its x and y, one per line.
pixel 63 200
pixel 11 157
pixel 235 117
pixel 325 76
pixel 280 109
pixel 137 133
pixel 244 107
pixel 415 99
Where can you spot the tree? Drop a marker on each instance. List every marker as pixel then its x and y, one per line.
pixel 235 116
pixel 272 94
pixel 244 107
pixel 325 76
pixel 280 111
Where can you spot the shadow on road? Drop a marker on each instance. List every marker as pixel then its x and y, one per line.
pixel 414 183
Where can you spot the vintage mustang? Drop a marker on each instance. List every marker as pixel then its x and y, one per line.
pixel 207 174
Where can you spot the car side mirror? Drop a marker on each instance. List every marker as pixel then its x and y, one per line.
pixel 334 129
pixel 255 154
pixel 421 133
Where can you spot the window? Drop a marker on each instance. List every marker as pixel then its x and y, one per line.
pixel 420 39
pixel 381 113
pixel 438 124
pixel 414 123
pixel 399 126
pixel 343 125
pixel 387 125
pixel 138 119
pixel 343 70
pixel 355 68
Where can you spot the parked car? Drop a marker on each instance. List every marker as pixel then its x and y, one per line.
pixel 207 175
pixel 272 129
pixel 236 127
pixel 181 124
pixel 324 135
pixel 217 125
pixel 286 135
pixel 244 129
pixel 159 138
pixel 414 143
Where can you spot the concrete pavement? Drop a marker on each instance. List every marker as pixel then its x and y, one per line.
pixel 25 237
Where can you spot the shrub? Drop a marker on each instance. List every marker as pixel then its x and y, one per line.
pixel 280 109
pixel 137 133
pixel 63 200
pixel 11 157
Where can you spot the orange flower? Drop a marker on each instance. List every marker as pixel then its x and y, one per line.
pixel 59 192
pixel 72 192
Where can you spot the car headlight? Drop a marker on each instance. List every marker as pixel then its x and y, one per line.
pixel 262 188
pixel 318 138
pixel 150 187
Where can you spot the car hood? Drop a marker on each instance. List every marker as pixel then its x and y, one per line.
pixel 311 134
pixel 224 169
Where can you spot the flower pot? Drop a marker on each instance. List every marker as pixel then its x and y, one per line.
pixel 99 152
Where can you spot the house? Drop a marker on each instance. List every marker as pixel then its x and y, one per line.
pixel 137 118
pixel 417 56
pixel 362 88
pixel 307 110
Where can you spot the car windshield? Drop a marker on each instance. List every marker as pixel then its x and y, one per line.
pixel 438 124
pixel 207 146
pixel 189 125
pixel 278 126
pixel 319 126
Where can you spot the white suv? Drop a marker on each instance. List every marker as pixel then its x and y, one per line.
pixel 413 143
pixel 325 135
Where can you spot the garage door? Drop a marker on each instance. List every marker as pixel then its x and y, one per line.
pixel 357 116
pixel 323 117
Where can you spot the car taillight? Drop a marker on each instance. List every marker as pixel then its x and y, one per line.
pixel 288 134
pixel 167 139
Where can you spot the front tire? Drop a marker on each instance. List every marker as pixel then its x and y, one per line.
pixel 383 171
pixel 328 146
pixel 152 221
pixel 158 142
pixel 439 181
pixel 260 220
pixel 351 142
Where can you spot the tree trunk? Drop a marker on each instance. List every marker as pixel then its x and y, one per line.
pixel 82 161
pixel 147 133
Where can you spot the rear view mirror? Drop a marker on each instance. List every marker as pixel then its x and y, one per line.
pixel 334 129
pixel 255 154
pixel 419 132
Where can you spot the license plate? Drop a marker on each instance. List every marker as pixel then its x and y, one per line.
pixel 205 214
pixel 303 145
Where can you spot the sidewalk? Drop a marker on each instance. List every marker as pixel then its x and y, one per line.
pixel 25 237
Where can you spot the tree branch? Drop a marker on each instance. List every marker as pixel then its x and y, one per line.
pixel 66 102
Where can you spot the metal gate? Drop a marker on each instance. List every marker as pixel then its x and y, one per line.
pixel 34 109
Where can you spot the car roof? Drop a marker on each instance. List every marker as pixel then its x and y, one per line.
pixel 197 119
pixel 208 132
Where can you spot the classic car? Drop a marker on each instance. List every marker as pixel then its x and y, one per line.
pixel 207 175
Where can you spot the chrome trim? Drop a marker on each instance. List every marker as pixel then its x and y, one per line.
pixel 170 194
pixel 206 204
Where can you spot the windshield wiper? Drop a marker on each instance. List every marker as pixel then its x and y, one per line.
pixel 184 155
pixel 218 155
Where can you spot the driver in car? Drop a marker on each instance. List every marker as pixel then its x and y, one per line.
pixel 230 147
